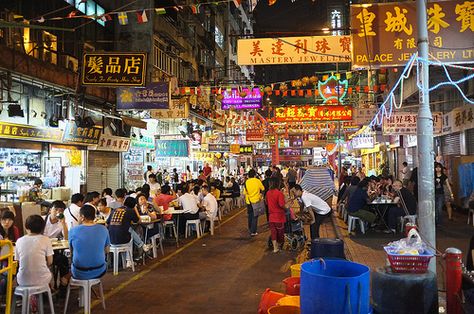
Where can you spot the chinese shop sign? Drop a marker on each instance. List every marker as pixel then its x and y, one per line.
pixel 364 115
pixel 218 147
pixel 234 148
pixel 363 141
pixel 179 109
pixel 154 96
pixel 292 50
pixel 254 135
pixel 79 135
pixel 390 32
pixel 172 148
pixel 114 69
pixel 313 113
pixel 233 98
pixel 458 119
pixel 404 123
pixel 31 133
pixel 146 142
pixel 113 143
pixel 246 149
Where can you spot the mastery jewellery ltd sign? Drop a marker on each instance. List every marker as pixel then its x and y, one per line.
pixel 114 69
pixel 292 50
pixel 386 34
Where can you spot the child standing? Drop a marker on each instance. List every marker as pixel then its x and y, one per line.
pixel 34 253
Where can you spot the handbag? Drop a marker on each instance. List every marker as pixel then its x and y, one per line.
pixel 258 207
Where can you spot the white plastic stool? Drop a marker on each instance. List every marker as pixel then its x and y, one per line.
pixel 86 286
pixel 228 205
pixel 469 214
pixel 153 240
pixel 26 293
pixel 344 214
pixel 405 219
pixel 352 222
pixel 196 223
pixel 126 249
pixel 340 208
pixel 212 223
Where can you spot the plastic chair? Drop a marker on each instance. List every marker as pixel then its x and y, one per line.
pixel 212 223
pixel 469 214
pixel 340 208
pixel 26 293
pixel 116 249
pixel 86 286
pixel 344 214
pixel 408 218
pixel 197 224
pixel 352 222
pixel 160 243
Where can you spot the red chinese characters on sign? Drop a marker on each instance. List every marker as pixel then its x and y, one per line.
pixel 313 113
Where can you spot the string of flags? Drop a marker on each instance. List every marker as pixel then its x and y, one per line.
pixel 141 15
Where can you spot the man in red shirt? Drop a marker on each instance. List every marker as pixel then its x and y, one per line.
pixel 276 214
pixel 164 199
pixel 207 171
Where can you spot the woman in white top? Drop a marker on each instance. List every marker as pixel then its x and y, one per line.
pixel 34 252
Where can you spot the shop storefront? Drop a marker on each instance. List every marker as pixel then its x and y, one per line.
pixel 135 160
pixel 374 159
pixel 104 163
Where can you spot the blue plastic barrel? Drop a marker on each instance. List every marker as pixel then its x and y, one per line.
pixel 334 286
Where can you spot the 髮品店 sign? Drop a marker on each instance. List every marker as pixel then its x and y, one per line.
pixel 114 69
pixel 292 50
pixel 386 34
pixel 154 96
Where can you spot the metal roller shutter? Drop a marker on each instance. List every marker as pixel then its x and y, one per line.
pixel 103 171
pixel 451 144
pixel 470 141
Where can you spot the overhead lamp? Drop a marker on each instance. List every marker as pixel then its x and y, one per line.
pixel 14 109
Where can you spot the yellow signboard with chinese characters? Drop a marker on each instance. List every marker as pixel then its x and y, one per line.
pixel 179 109
pixel 292 50
pixel 386 34
pixel 404 123
pixel 114 69
pixel 31 133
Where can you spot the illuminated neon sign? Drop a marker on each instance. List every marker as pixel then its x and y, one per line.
pixel 233 98
pixel 333 90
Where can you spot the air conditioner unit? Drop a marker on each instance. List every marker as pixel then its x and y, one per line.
pixel 71 63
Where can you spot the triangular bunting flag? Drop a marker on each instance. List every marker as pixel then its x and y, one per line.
pixel 271 2
pixel 40 20
pixel 106 17
pixel 141 17
pixel 237 3
pixel 195 8
pixel 122 18
pixel 72 14
pixel 160 11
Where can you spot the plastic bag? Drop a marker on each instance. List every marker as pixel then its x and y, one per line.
pixel 411 245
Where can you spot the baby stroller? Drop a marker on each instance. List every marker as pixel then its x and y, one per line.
pixel 295 237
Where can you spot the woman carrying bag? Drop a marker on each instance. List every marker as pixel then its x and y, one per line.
pixel 253 189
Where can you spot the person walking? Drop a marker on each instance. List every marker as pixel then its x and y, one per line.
pixel 405 174
pixel 276 214
pixel 316 206
pixel 253 189
pixel 443 194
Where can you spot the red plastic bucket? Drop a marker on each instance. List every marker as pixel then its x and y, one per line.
pixel 269 299
pixel 292 285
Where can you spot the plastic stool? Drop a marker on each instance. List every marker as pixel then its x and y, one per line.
pixel 196 223
pixel 405 219
pixel 86 286
pixel 26 293
pixel 352 222
pixel 116 249
pixel 160 243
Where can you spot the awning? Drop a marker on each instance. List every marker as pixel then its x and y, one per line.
pixel 134 122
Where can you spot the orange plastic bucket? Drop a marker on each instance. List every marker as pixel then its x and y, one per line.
pixel 284 309
pixel 269 299
pixel 293 300
pixel 292 285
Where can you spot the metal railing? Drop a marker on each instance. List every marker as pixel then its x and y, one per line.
pixel 10 269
